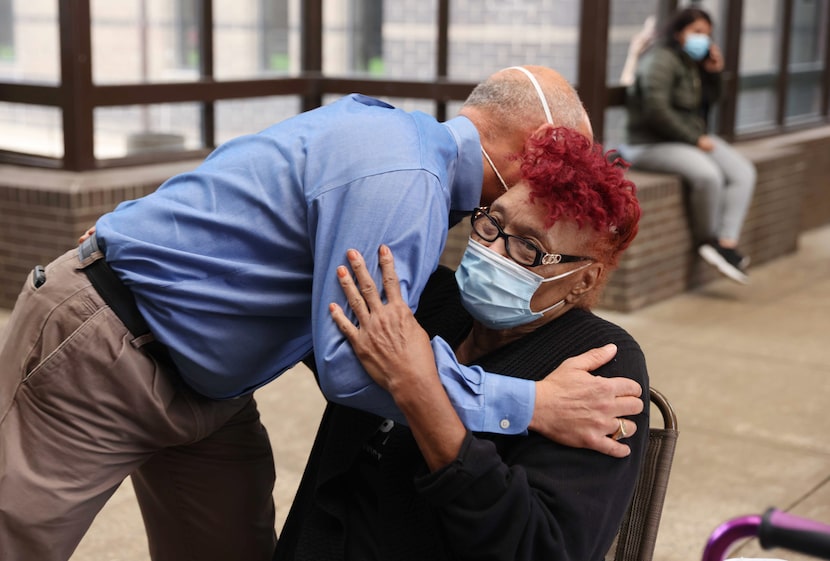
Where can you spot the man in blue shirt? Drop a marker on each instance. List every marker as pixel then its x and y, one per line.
pixel 231 268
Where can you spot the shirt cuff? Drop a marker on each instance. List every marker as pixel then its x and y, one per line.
pixel 485 402
pixel 509 404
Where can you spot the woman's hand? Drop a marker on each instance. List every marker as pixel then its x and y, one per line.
pixel 714 62
pixel 388 340
pixel 705 143
pixel 86 235
pixel 396 353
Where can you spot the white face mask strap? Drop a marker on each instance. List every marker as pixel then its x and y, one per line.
pixel 489 161
pixel 568 273
pixel 539 91
pixel 551 308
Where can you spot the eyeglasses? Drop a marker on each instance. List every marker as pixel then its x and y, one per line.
pixel 522 251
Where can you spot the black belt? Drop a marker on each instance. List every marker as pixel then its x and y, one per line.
pixel 119 298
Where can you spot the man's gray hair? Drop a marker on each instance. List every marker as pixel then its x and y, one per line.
pixel 510 100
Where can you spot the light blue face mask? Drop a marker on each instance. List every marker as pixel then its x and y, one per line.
pixel 496 290
pixel 697 45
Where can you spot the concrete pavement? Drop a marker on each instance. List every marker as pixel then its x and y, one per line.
pixel 746 368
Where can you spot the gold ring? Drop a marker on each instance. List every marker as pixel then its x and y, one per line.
pixel 620 432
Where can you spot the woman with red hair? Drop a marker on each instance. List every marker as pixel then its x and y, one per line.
pixel 519 303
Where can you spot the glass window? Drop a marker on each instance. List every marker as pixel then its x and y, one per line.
pixel 187 33
pixel 253 38
pixel 29 43
pixel 504 34
pixel 758 67
pixel 135 129
pixel 376 38
pixel 31 129
pixel 6 30
pixel 632 26
pixel 806 60
pixel 245 116
pixel 274 32
pixel 143 42
pixel 406 103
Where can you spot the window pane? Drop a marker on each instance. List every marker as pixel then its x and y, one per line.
pixel 140 41
pixel 632 26
pixel 275 32
pixel 616 119
pixel 806 60
pixel 31 129
pixel 758 68
pixel 121 131
pixel 237 117
pixel 29 50
pixel 253 38
pixel 486 39
pixel 6 31
pixel 629 20
pixel 377 38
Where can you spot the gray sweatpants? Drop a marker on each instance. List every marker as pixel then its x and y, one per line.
pixel 721 182
pixel 82 407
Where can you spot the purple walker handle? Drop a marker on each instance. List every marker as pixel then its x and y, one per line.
pixel 728 533
pixel 774 528
pixel 780 529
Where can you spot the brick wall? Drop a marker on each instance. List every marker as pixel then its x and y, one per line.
pixel 42 212
pixel 662 261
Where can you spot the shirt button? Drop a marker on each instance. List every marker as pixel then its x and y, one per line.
pixel 504 424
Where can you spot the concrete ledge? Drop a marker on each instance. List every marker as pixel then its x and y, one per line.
pixel 662 261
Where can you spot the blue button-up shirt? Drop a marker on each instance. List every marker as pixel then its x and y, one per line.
pixel 233 264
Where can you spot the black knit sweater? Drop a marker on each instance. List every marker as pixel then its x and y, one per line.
pixel 367 494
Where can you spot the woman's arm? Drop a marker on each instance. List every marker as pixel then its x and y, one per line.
pixel 395 352
pixel 572 500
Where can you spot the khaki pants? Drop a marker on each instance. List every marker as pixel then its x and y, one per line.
pixel 82 407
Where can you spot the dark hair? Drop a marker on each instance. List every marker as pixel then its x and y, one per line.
pixel 679 21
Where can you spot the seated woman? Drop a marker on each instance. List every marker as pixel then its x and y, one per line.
pixel 535 265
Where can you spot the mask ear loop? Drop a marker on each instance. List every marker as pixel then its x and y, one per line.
pixel 539 91
pixel 489 161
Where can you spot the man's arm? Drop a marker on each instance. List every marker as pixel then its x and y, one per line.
pixel 408 211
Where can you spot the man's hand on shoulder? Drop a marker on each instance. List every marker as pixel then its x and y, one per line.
pixel 578 409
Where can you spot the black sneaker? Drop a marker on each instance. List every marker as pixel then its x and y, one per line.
pixel 726 259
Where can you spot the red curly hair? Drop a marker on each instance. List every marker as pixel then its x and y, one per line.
pixel 571 176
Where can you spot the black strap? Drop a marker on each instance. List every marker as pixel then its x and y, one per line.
pixel 117 296
pixel 120 298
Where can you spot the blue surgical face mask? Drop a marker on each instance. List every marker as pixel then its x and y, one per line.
pixel 497 291
pixel 697 45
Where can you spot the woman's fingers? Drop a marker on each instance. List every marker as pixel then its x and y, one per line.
pixel 343 323
pixel 352 294
pixel 391 284
pixel 368 290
